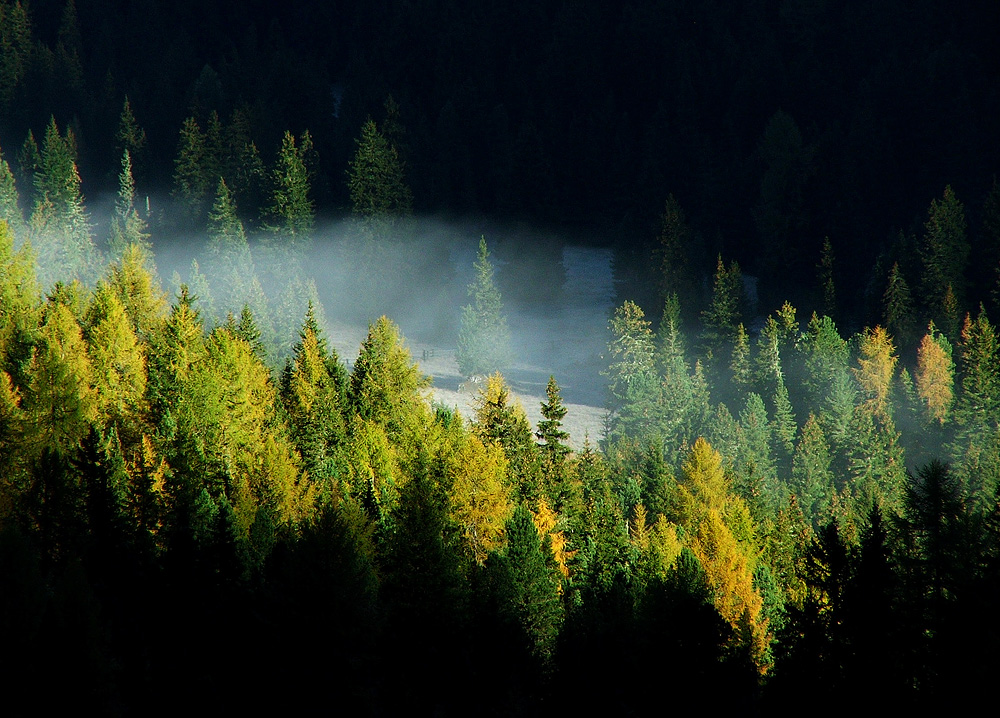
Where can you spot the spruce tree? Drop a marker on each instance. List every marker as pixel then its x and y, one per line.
pixel 10 211
pixel 130 137
pixel 191 183
pixel 127 227
pixel 483 338
pixel 291 210
pixel 944 252
pixel 379 193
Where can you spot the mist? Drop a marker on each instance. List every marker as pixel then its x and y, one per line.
pixel 557 292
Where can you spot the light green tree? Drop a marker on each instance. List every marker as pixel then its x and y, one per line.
pixel 483 339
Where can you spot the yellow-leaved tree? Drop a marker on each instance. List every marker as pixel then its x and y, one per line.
pixel 722 537
pixel 935 375
pixel 876 364
pixel 480 496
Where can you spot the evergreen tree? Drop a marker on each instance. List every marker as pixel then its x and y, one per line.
pixel 60 226
pixel 386 386
pixel 127 227
pixel 897 305
pixel 499 420
pixel 528 589
pixel 978 401
pixel 379 194
pixel 812 479
pixel 944 253
pixel 724 312
pixel 10 211
pixel 828 290
pixel 291 211
pixel 672 254
pixel 483 339
pixel 191 182
pixel 130 137
pixel 555 452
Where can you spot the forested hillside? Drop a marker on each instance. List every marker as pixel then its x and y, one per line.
pixel 793 503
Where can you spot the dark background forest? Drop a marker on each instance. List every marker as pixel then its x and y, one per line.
pixel 793 501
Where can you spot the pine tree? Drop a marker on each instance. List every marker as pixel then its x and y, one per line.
pixel 529 589
pixel 60 226
pixel 504 422
pixel 483 339
pixel 739 365
pixel 10 210
pixel 672 253
pixel 897 305
pixel 379 194
pixel 812 479
pixel 944 252
pixel 17 44
pixel 979 399
pixel 191 182
pixel 386 386
pixel 724 312
pixel 828 289
pixel 130 137
pixel 127 227
pixel 554 450
pixel 291 211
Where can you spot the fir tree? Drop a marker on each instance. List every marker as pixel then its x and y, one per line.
pixel 191 183
pixel 127 227
pixel 897 305
pixel 379 194
pixel 724 312
pixel 483 339
pixel 944 252
pixel 130 137
pixel 10 211
pixel 828 290
pixel 291 211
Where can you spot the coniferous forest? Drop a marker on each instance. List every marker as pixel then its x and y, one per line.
pixel 792 504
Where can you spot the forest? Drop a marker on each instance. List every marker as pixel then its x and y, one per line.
pixel 792 504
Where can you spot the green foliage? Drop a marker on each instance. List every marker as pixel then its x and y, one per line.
pixel 60 227
pixel 291 211
pixel 483 338
pixel 127 227
pixel 10 210
pixel 385 385
pixel 379 194
pixel 191 181
pixel 944 252
pixel 724 312
pixel 527 588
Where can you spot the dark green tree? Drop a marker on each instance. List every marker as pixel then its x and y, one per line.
pixel 944 252
pixel 378 189
pixel 291 212
pixel 191 182
pixel 483 338
pixel 724 312
pixel 528 588
pixel 897 306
